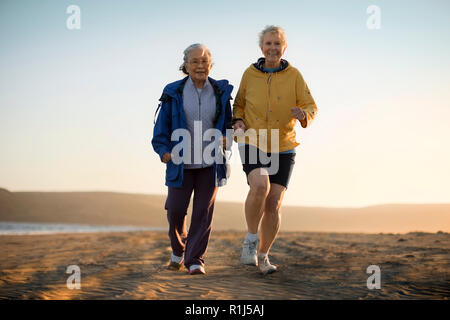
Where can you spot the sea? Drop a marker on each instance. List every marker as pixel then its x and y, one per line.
pixel 31 228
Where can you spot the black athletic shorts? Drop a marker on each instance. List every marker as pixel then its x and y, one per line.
pixel 285 167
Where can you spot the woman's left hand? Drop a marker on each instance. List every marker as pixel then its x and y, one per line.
pixel 298 114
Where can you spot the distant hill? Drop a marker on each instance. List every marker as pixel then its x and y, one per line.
pixel 101 208
pixel 108 208
pixel 8 204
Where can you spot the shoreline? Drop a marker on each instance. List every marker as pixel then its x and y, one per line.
pixel 38 228
pixel 68 228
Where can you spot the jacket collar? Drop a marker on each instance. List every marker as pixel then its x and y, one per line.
pixel 191 85
pixel 174 88
pixel 260 64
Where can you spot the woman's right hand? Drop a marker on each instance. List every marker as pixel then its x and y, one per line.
pixel 239 125
pixel 166 157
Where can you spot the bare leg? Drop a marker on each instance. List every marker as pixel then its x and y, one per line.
pixel 270 223
pixel 256 198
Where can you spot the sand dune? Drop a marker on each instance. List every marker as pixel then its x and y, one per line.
pixel 106 208
pixel 311 266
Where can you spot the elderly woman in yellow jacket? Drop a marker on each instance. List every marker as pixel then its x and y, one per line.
pixel 272 97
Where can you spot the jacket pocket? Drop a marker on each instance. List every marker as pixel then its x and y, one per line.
pixel 172 171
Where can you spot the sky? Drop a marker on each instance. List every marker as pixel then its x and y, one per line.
pixel 77 105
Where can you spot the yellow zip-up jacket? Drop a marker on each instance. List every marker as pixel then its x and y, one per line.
pixel 264 101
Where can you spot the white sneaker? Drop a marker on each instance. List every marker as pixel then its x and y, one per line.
pixel 249 255
pixel 176 263
pixel 264 265
pixel 196 269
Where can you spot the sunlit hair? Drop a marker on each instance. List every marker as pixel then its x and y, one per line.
pixel 272 28
pixel 188 50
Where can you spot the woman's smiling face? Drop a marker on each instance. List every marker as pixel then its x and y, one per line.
pixel 198 65
pixel 273 47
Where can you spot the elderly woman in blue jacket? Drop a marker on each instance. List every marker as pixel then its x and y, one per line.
pixel 195 115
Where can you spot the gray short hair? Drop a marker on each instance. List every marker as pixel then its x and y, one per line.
pixel 272 28
pixel 188 50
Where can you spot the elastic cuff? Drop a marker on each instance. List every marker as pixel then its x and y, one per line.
pixel 164 151
pixel 304 123
pixel 233 121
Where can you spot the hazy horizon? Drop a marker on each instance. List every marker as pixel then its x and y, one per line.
pixel 106 208
pixel 229 201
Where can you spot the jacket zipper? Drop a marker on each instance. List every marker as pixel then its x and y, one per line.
pixel 268 100
pixel 199 107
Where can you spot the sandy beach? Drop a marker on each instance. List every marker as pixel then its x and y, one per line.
pixel 132 265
